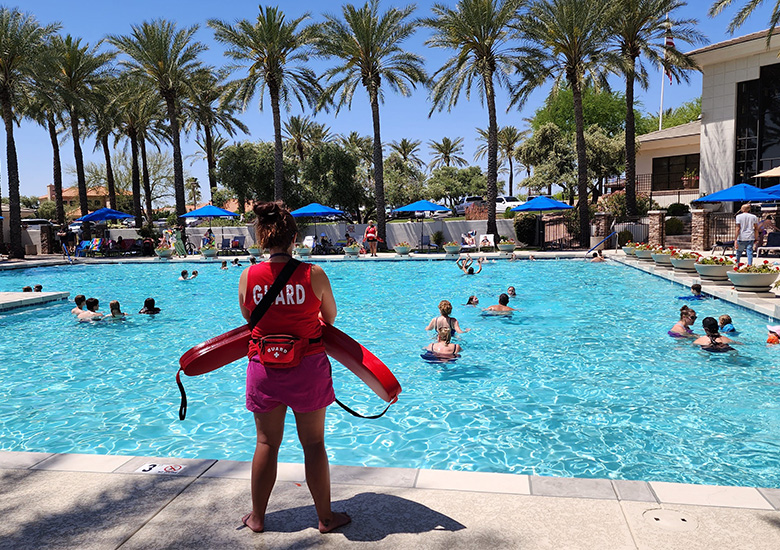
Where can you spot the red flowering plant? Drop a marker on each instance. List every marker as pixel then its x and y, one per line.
pixel 645 246
pixel 715 260
pixel 680 255
pixel 764 267
pixel 662 250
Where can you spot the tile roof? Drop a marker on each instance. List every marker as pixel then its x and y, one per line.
pixel 683 130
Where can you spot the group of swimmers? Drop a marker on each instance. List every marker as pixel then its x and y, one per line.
pixel 236 263
pixel 446 326
pixel 38 288
pixel 87 309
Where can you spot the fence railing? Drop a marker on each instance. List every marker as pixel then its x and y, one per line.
pixel 556 233
pixel 639 228
pixel 722 227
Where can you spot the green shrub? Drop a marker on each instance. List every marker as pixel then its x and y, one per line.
pixel 674 226
pixel 525 228
pixel 438 238
pixel 624 237
pixel 508 214
pixel 677 209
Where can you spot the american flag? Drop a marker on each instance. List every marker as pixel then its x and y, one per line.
pixel 668 43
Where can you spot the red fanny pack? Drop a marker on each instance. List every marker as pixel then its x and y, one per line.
pixel 281 351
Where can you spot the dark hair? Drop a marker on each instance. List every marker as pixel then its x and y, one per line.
pixel 471 300
pixel 685 311
pixel 183 272
pixel 471 271
pixel 710 325
pixel 503 299
pixel 27 289
pixel 38 288
pixel 595 254
pixel 80 299
pixel 696 287
pixel 92 303
pixel 149 303
pixel 274 226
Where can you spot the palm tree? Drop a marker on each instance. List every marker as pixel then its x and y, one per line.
pixel 297 132
pixel 104 120
pixel 77 71
pixel 407 150
pixel 639 28
pixel 368 43
pixel 565 40
pixel 274 52
pixel 479 31
pixel 745 12
pixel 209 109
pixel 445 152
pixel 22 40
pixel 169 58
pixel 509 141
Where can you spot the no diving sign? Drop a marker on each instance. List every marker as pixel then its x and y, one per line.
pixel 170 469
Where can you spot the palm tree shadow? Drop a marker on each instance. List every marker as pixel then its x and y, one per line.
pixel 374 517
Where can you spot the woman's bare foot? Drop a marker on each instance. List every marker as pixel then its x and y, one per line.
pixel 251 521
pixel 337 520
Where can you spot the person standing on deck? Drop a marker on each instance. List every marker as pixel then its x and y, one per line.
pixel 746 234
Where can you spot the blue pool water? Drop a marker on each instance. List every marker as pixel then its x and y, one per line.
pixel 581 382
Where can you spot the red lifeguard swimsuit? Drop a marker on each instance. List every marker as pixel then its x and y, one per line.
pixel 295 311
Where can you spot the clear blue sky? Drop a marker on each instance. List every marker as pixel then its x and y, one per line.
pixel 401 117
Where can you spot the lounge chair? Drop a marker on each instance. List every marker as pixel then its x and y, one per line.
pixel 426 243
pixel 772 243
pixel 468 240
pixel 308 241
pixel 81 249
pixel 486 241
pixel 95 248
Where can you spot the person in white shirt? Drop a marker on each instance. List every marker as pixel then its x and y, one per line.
pixel 747 232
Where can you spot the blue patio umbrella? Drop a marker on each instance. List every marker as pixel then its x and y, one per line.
pixel 542 204
pixel 104 214
pixel 422 206
pixel 210 211
pixel 315 210
pixel 742 192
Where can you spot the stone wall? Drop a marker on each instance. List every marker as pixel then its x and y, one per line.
pixel 700 230
pixel 657 228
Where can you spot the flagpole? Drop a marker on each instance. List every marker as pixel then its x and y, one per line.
pixel 661 110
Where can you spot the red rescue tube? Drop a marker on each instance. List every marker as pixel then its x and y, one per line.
pixel 232 346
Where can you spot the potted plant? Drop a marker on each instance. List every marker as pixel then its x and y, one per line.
pixel 713 268
pixel 352 249
pixel 163 252
pixel 302 250
pixel 685 261
pixel 754 278
pixel 208 250
pixel 451 247
pixel 402 248
pixel 628 248
pixel 506 245
pixel 255 250
pixel 644 251
pixel 690 178
pixel 662 256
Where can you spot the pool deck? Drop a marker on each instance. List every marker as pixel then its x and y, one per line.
pixel 15 300
pixel 105 502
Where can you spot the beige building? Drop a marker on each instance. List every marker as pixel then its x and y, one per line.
pixel 96 198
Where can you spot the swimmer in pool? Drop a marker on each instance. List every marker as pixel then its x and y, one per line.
pixel 80 301
pixel 712 340
pixel 465 264
pixel 445 308
pixel 511 292
pixel 443 347
pixel 224 264
pixel 597 257
pixel 725 324
pixel 92 313
pixel 682 328
pixel 149 307
pixel 116 312
pixel 184 276
pixel 472 301
pixel 501 306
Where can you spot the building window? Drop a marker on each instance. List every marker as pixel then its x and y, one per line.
pixel 668 172
pixel 747 123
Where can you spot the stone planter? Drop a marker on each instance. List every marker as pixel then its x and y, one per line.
pixel 351 252
pixel 256 252
pixel 452 249
pixel 644 254
pixel 402 250
pixel 164 253
pixel 687 265
pixel 664 260
pixel 509 247
pixel 628 250
pixel 303 251
pixel 713 272
pixel 208 252
pixel 752 282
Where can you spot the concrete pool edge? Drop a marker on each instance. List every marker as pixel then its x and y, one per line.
pixel 649 492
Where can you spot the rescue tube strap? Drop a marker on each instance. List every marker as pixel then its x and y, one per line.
pixel 353 413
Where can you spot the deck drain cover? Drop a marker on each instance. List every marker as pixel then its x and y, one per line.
pixel 670 520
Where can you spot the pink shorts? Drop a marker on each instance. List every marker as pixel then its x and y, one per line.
pixel 305 388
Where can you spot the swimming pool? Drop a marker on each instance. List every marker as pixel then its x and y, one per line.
pixel 582 382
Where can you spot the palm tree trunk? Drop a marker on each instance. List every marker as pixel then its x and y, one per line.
pixel 109 173
pixel 136 179
pixel 14 203
pixel 79 156
pixel 56 168
pixel 630 143
pixel 492 160
pixel 146 181
pixel 582 163
pixel 178 165
pixel 211 162
pixel 379 176
pixel 511 174
pixel 273 91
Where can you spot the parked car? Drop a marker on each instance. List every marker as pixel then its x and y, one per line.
pixel 460 209
pixel 506 201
